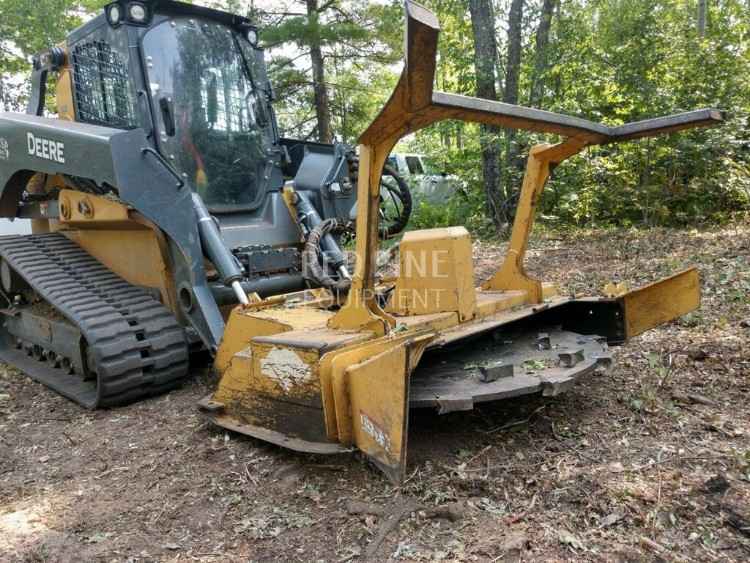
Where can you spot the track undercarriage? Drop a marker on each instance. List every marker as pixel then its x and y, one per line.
pixel 75 326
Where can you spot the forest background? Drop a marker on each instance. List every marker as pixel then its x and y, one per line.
pixel 334 62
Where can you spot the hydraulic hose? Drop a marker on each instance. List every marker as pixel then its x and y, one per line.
pixel 399 191
pixel 309 217
pixel 402 192
pixel 312 268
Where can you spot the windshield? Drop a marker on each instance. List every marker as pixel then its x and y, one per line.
pixel 212 119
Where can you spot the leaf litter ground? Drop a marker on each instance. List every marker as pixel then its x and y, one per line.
pixel 650 461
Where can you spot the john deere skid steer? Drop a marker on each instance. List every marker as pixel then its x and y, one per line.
pixel 160 196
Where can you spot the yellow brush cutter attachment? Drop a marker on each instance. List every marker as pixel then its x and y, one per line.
pixel 301 373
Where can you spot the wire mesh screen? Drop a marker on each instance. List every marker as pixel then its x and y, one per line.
pixel 103 95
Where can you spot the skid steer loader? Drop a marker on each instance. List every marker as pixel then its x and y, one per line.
pixel 161 196
pixel 318 379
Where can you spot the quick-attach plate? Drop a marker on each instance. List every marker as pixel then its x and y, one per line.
pixel 503 366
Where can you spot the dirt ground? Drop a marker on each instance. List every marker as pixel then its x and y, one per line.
pixel 650 461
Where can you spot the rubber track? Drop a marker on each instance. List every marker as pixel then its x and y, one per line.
pixel 136 346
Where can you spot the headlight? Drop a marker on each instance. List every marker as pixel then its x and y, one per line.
pixel 252 37
pixel 137 12
pixel 114 14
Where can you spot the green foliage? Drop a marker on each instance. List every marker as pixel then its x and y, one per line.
pixel 618 61
pixel 462 163
pixel 26 28
pixel 358 40
pixel 613 61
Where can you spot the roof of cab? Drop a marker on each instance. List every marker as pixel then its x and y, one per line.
pixel 166 7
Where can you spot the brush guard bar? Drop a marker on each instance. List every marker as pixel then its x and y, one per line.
pixel 413 106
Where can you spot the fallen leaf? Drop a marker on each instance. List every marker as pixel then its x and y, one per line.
pixel 616 467
pixel 566 538
pixel 610 519
pixel 171 546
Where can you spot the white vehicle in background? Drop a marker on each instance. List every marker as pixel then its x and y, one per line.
pixel 427 183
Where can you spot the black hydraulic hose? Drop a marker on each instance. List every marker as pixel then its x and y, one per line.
pixel 404 194
pixel 310 218
pixel 312 268
pixel 400 191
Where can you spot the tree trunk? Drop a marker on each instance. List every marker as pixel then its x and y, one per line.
pixel 510 96
pixel 702 8
pixel 513 67
pixel 322 109
pixel 540 56
pixel 485 55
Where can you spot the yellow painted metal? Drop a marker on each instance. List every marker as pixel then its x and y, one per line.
pixel 512 275
pixel 436 274
pixel 275 388
pixel 240 329
pixel 296 336
pixel 251 373
pixel 244 324
pixel 661 301
pixel 290 200
pixel 125 242
pixel 134 255
pixel 380 413
pixel 270 386
pixel 613 289
pixel 432 321
pixel 489 302
pixel 91 211
pixel 64 92
pixel 287 372
pixel 412 94
pixel 334 393
pixel 361 311
pixel 411 107
pixel 365 394
pixel 121 239
pixel 302 328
